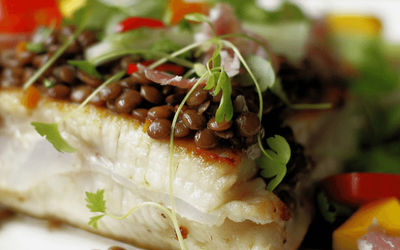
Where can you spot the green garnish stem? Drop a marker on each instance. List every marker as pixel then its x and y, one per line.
pixel 56 55
pixel 178 52
pixel 113 78
pixel 171 159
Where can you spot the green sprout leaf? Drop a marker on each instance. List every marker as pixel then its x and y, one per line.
pixel 271 169
pixel 273 161
pixel 225 109
pixel 212 81
pixel 95 201
pixel 262 70
pixel 93 222
pixel 51 133
pixel 200 69
pixel 36 47
pixel 197 17
pixel 280 148
pixel 86 67
pixel 48 83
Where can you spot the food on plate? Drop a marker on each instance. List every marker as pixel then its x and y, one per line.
pixel 376 224
pixel 207 134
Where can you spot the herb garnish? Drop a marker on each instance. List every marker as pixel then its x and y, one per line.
pixel 86 66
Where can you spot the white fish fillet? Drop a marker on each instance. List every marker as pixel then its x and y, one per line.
pixel 222 204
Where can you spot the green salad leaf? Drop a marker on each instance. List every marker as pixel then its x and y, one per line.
pixel 94 220
pixel 35 47
pixel 86 66
pixel 51 133
pixel 47 83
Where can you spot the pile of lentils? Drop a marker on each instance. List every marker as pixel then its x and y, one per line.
pixel 141 99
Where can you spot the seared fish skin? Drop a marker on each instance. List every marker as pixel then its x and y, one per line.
pixel 222 205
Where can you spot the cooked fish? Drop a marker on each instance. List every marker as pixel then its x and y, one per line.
pixel 220 201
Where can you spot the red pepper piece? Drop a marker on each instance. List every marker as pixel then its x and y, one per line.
pixel 132 68
pixel 132 23
pixel 166 67
pixel 360 188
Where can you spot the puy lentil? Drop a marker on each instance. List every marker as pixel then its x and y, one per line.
pixel 219 126
pixel 205 139
pixel 151 94
pixel 110 91
pixel 198 96
pixel 181 130
pixel 159 129
pixel 163 112
pixel 88 79
pixel 227 134
pixel 127 101
pixel 80 93
pixel 203 107
pixel 248 124
pixel 59 91
pixel 87 38
pixel 140 114
pixel 193 120
pixel 65 73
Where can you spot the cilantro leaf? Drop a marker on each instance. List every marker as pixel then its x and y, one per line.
pixel 86 67
pixel 95 201
pixel 273 161
pixel 262 70
pixel 93 222
pixel 51 133
pixel 271 169
pixel 225 109
pixel 280 148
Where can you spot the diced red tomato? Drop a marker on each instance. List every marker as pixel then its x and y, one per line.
pixel 360 188
pixel 132 23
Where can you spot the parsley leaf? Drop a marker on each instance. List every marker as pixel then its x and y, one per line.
pixel 86 67
pixel 93 222
pixel 95 201
pixel 212 81
pixel 273 161
pixel 51 133
pixel 262 70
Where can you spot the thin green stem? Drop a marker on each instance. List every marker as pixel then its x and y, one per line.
pixel 261 105
pixel 171 154
pixel 311 106
pixel 178 52
pixel 113 78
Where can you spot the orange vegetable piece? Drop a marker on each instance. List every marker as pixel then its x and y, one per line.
pixel 21 47
pixel 31 97
pixel 179 8
pixel 387 214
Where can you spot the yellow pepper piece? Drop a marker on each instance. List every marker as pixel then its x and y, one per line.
pixel 67 7
pixel 387 214
pixel 354 24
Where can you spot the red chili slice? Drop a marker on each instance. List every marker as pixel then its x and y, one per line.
pixel 359 188
pixel 132 23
